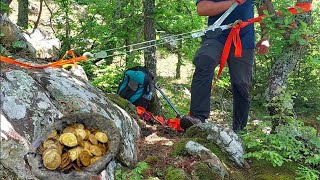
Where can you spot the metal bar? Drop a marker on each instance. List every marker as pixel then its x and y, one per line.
pixel 168 100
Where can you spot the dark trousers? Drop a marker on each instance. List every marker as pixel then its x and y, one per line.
pixel 206 60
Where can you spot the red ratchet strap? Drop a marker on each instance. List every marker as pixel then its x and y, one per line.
pixel 150 118
pixel 56 64
pixel 234 36
pixel 238 1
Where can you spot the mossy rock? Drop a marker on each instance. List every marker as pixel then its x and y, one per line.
pixel 204 172
pixel 124 104
pixel 176 174
pixel 195 132
pixel 179 148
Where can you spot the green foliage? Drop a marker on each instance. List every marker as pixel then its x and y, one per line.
pixel 293 142
pixel 175 17
pixel 19 45
pixel 4 7
pixel 135 174
pixel 107 78
pixel 305 173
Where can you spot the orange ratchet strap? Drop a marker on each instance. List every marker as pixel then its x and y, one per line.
pixel 56 64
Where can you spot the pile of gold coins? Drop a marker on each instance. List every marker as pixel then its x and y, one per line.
pixel 75 147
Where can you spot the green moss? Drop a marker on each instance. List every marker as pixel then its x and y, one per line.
pixel 123 103
pixel 196 132
pixel 151 159
pixel 204 172
pixel 264 170
pixel 175 174
pixel 179 148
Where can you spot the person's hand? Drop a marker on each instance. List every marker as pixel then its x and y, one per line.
pixel 263 46
pixel 238 1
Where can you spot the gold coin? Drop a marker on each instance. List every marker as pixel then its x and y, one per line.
pixel 95 150
pixel 78 162
pixel 81 133
pixel 95 159
pixel 77 126
pixel 52 160
pixel 102 137
pixel 80 140
pixel 53 135
pixel 50 150
pixel 47 143
pixel 40 149
pixel 87 134
pixel 65 160
pixel 74 153
pixel 67 167
pixel 76 167
pixel 93 139
pixel 68 139
pixel 103 147
pixel 87 145
pixel 69 129
pixel 85 158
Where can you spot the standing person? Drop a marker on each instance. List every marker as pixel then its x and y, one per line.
pixel 208 56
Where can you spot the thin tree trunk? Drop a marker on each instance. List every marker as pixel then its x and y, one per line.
pixel 278 80
pixel 39 15
pixel 23 13
pixel 150 34
pixel 179 64
pixel 150 60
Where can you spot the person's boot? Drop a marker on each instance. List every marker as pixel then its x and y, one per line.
pixel 187 121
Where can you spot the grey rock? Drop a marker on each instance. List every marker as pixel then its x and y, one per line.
pixel 208 157
pixel 225 138
pixel 31 100
pixel 79 71
pixel 109 172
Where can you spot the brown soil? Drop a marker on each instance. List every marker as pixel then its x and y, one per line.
pixel 155 147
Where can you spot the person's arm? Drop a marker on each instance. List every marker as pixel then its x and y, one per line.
pixel 210 8
pixel 263 45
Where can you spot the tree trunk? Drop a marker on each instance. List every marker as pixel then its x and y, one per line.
pixel 23 13
pixel 150 60
pixel 179 63
pixel 149 35
pixel 278 79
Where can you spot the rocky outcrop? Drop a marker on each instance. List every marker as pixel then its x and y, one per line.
pixel 32 100
pixel 225 138
pixel 206 156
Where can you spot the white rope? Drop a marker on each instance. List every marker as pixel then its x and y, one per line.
pixel 146 44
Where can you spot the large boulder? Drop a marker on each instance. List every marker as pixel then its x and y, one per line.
pixel 40 44
pixel 32 100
